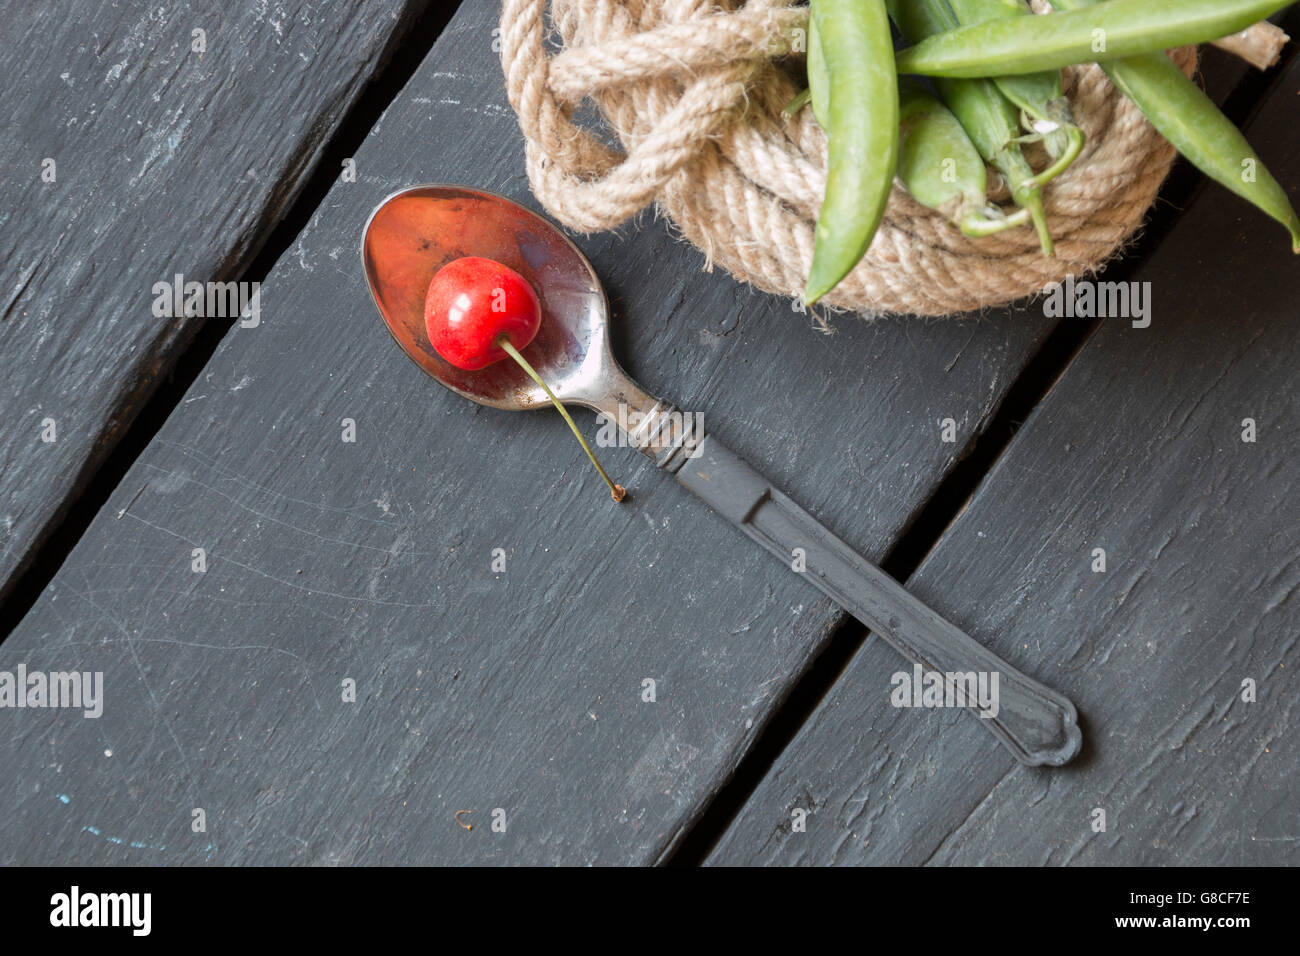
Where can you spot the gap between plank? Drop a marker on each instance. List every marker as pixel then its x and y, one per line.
pixel 933 517
pixel 403 54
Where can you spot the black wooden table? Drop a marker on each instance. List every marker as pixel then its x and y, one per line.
pixel 181 511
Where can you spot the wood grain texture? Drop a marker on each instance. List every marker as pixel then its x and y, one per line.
pixel 1137 450
pixel 519 690
pixel 166 161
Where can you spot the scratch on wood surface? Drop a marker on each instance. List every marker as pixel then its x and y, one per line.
pixel 24 280
pixel 158 714
pixel 661 765
pixel 322 592
pixel 133 500
pixel 267 516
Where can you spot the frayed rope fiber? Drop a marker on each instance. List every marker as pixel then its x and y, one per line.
pixel 696 98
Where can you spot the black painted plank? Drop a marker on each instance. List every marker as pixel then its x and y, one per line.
pixel 1137 450
pixel 167 161
pixel 371 561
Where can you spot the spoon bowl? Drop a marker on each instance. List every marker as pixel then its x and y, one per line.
pixel 415 232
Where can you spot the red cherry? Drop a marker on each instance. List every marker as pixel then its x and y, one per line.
pixel 472 302
pixel 478 311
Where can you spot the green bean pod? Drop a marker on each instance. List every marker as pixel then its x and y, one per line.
pixel 989 119
pixel 941 168
pixel 1107 31
pixel 861 122
pixel 1044 110
pixel 1190 121
pixel 819 90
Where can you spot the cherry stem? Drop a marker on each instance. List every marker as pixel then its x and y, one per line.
pixel 616 492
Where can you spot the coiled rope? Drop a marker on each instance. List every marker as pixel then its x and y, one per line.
pixel 693 93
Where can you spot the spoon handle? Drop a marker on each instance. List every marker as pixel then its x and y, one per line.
pixel 1038 725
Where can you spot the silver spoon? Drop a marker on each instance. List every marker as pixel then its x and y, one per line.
pixel 415 232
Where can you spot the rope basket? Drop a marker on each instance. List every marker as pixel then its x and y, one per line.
pixel 695 95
